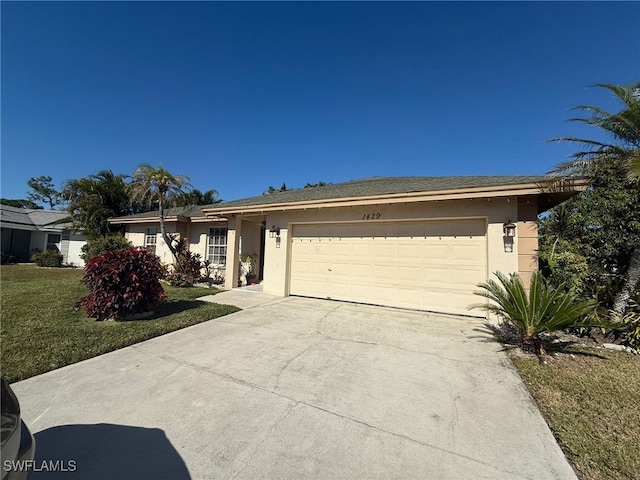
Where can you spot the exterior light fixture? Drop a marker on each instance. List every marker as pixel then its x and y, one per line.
pixel 509 228
pixel 274 231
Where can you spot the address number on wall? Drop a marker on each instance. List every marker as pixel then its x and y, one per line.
pixel 371 216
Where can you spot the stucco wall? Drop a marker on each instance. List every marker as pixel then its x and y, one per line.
pixel 75 245
pixel 136 235
pixel 496 211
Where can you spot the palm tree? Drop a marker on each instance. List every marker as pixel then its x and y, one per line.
pixel 623 129
pixel 161 186
pixel 196 197
pixel 92 200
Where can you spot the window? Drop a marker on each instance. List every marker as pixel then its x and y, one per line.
pixel 53 242
pixel 217 246
pixel 150 239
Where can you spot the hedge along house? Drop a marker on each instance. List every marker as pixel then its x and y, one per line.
pixel 411 242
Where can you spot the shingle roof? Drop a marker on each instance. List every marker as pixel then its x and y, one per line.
pixel 381 186
pixel 32 219
pixel 355 188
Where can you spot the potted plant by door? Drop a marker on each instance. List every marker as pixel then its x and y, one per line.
pixel 247 267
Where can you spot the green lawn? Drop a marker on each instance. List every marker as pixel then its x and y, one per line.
pixel 592 404
pixel 40 331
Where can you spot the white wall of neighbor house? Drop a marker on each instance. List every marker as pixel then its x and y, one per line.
pixel 76 242
pixel 496 211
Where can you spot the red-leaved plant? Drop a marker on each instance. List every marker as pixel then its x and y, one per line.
pixel 121 283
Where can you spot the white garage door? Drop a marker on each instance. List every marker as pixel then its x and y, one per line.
pixel 429 265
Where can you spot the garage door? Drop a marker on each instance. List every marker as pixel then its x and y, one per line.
pixel 428 265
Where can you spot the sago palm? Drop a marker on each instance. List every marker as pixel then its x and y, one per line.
pixel 543 309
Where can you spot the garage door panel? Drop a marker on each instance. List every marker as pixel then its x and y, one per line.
pixel 433 265
pixel 342 249
pixel 434 275
pixel 384 249
pixel 384 272
pixel 409 274
pixel 467 253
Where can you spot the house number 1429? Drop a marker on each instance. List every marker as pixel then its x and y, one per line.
pixel 371 216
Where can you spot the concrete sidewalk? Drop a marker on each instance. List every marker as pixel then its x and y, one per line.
pixel 296 388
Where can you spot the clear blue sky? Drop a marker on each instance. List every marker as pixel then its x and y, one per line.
pixel 240 96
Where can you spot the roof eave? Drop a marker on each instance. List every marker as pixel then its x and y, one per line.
pixel 570 188
pixel 173 218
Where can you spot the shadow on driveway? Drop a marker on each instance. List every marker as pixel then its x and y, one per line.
pixel 105 451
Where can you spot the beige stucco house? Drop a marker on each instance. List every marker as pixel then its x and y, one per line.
pixel 413 242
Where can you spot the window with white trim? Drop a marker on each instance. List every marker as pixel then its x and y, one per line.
pixel 217 246
pixel 151 239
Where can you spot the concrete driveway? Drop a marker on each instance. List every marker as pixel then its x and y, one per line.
pixel 295 388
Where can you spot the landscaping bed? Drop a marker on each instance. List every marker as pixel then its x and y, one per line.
pixel 40 331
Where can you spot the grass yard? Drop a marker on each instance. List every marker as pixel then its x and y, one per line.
pixel 592 404
pixel 40 331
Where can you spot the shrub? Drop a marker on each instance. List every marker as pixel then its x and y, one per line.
pixel 186 270
pixel 569 269
pixel 6 258
pixel 628 329
pixel 545 309
pixel 47 258
pixel 122 282
pixel 100 245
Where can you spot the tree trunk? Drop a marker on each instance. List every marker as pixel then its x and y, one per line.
pixel 163 230
pixel 630 282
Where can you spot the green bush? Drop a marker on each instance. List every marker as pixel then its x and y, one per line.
pixel 100 245
pixel 47 258
pixel 544 309
pixel 186 270
pixel 121 283
pixel 569 269
pixel 6 258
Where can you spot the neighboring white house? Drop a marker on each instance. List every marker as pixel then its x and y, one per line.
pixel 25 231
pixel 414 242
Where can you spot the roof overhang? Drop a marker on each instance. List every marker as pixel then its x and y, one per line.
pixel 150 219
pixel 548 197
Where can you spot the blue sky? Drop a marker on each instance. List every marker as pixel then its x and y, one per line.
pixel 240 96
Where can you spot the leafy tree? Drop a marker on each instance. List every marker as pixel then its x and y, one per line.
pixel 196 197
pixel 20 203
pixel 43 191
pixel 319 184
pixel 94 199
pixel 161 186
pixel 602 225
pixel 544 309
pixel 271 189
pixel 620 151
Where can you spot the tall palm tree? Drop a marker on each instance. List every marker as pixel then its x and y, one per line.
pixel 161 186
pixel 623 128
pixel 623 146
